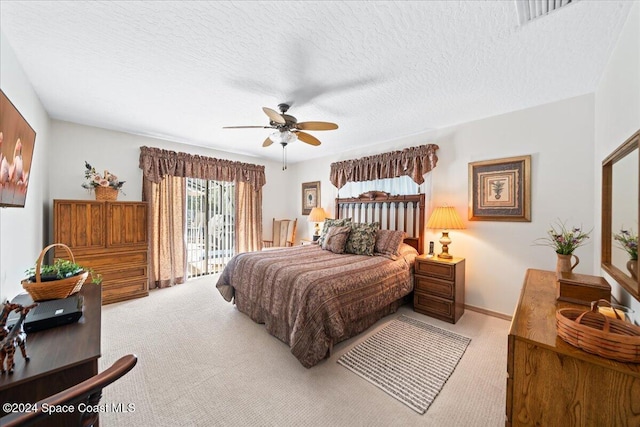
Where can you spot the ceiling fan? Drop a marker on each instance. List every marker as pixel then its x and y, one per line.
pixel 288 129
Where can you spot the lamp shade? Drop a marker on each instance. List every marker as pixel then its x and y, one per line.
pixel 446 218
pixel 316 215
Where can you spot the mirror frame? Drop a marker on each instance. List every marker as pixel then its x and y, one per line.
pixel 631 286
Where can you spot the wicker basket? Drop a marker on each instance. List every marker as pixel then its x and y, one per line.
pixel 599 334
pixel 106 193
pixel 54 289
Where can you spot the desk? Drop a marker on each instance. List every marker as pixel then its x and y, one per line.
pixel 60 357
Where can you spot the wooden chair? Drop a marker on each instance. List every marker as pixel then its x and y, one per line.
pixel 88 392
pixel 283 234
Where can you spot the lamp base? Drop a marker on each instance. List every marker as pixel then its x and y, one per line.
pixel 316 237
pixel 445 241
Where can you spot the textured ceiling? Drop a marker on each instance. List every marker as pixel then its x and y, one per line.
pixel 380 70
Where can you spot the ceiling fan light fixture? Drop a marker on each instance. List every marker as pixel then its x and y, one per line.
pixel 285 136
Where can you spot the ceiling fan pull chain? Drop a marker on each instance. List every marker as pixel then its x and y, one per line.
pixel 284 157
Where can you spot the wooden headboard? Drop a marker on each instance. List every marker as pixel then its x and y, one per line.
pixel 404 213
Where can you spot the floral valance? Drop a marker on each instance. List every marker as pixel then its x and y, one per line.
pixel 413 162
pixel 157 163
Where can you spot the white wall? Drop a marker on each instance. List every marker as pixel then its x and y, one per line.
pixel 21 229
pixel 617 117
pixel 119 152
pixel 559 137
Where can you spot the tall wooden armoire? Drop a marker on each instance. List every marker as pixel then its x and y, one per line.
pixel 109 237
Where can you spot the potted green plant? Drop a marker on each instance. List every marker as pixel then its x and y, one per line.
pixel 61 269
pixel 58 280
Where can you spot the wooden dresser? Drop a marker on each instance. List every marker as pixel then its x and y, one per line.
pixel 439 287
pixel 109 237
pixel 551 383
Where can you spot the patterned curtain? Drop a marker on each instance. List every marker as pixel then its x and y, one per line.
pixel 167 222
pixel 248 218
pixel 156 163
pixel 413 162
pixel 164 187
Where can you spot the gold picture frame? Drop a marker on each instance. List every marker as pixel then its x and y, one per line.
pixel 500 190
pixel 310 196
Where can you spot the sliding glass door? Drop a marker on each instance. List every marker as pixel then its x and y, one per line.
pixel 210 225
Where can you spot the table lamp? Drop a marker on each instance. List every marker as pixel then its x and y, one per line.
pixel 316 215
pixel 446 218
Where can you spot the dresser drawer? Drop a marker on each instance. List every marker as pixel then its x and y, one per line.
pixel 123 290
pixel 132 284
pixel 434 306
pixel 432 286
pixel 435 269
pixel 124 274
pixel 113 260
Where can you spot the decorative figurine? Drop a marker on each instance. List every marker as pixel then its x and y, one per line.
pixel 16 337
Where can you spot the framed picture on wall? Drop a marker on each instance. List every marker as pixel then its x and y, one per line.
pixel 500 190
pixel 310 196
pixel 17 140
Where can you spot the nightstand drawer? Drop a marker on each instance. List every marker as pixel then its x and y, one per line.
pixel 436 269
pixel 433 306
pixel 434 286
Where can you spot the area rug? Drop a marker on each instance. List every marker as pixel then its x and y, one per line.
pixel 408 359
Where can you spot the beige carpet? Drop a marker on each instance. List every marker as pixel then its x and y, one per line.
pixel 202 363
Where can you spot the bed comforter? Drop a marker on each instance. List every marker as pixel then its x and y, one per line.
pixel 311 298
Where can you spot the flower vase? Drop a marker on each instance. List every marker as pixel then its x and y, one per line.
pixel 563 264
pixel 632 266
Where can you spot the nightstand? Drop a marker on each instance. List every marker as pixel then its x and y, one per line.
pixel 439 287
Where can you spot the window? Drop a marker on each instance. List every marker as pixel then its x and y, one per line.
pixel 210 225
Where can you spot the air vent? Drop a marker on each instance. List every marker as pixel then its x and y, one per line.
pixel 528 10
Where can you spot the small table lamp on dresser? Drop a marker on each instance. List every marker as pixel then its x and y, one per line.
pixel 446 218
pixel 316 216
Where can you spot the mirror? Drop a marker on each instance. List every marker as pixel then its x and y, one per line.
pixel 620 213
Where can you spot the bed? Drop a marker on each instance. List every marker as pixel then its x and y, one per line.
pixel 312 298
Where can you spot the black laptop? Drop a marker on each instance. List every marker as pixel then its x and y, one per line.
pixel 47 314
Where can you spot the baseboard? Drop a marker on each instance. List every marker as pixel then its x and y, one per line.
pixel 488 312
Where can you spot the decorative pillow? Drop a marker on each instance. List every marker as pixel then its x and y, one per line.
pixel 329 223
pixel 388 242
pixel 336 239
pixel 362 239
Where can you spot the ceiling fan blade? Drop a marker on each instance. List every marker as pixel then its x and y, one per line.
pixel 267 142
pixel 316 126
pixel 248 127
pixel 309 139
pixel 274 115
